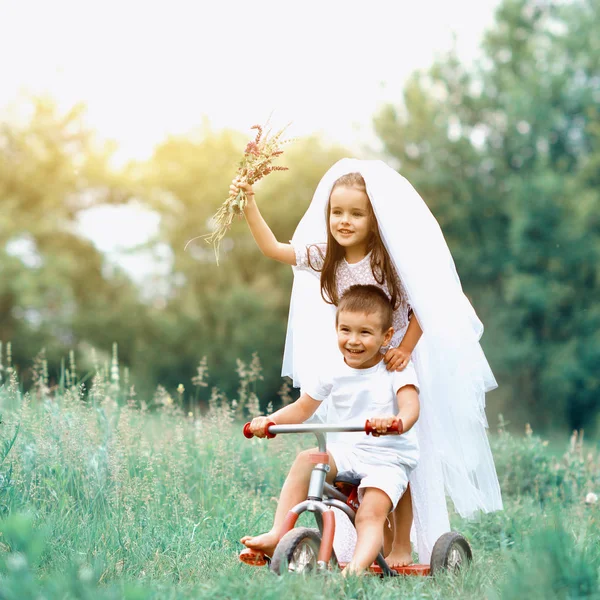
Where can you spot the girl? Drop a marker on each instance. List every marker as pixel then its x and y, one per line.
pixel 367 224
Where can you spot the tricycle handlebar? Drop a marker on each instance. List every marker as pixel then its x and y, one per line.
pixel 273 429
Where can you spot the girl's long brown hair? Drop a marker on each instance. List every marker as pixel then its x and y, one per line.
pixel 381 264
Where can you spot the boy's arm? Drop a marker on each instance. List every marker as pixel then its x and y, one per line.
pixel 261 232
pixel 297 412
pixel 407 398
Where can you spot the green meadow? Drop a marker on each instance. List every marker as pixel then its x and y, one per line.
pixel 104 495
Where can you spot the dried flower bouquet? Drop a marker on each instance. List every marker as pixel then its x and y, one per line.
pixel 256 163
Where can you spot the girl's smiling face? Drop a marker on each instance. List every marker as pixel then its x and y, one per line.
pixel 350 217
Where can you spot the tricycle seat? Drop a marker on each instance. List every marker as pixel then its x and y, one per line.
pixel 347 478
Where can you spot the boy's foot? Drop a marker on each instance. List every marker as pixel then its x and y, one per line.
pixel 264 543
pixel 399 559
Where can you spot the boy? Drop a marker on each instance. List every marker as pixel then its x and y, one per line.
pixel 357 388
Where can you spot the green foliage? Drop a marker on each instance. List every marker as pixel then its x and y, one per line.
pixel 527 468
pixel 554 564
pixel 503 153
pixel 54 292
pixel 506 153
pixel 228 311
pixel 112 501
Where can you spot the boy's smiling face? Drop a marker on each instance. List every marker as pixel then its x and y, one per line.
pixel 360 336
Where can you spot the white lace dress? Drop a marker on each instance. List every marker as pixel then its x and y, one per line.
pixel 311 259
pixel 426 481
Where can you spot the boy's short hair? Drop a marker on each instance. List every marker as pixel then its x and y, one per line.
pixel 367 299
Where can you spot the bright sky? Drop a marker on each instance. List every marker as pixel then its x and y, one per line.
pixel 149 68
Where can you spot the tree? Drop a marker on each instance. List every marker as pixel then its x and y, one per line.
pixel 54 293
pixel 506 154
pixel 239 307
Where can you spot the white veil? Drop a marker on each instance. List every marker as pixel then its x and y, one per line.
pixel 452 369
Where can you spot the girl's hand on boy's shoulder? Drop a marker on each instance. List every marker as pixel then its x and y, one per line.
pixel 258 426
pixel 396 359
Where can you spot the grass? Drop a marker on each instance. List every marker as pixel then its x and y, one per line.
pixel 109 497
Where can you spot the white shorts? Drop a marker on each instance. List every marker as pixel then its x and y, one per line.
pixel 389 477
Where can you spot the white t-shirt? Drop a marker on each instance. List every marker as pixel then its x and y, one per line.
pixel 355 395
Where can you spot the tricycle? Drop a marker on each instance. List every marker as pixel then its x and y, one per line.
pixel 307 549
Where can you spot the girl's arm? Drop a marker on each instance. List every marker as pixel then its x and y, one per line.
pixel 297 412
pixel 261 232
pixel 396 359
pixel 412 336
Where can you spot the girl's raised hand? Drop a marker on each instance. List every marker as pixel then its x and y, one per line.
pixel 396 359
pixel 237 183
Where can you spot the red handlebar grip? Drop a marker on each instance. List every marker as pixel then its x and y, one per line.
pixel 269 434
pixel 396 427
pixel 248 434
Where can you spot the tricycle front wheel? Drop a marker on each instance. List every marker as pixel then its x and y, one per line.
pixel 297 551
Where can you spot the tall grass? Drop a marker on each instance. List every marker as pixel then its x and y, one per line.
pixel 106 495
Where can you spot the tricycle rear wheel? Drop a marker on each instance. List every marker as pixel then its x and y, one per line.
pixel 451 552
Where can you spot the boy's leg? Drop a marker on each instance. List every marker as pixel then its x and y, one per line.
pixel 294 491
pixel 370 519
pixel 401 554
pixel 389 527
